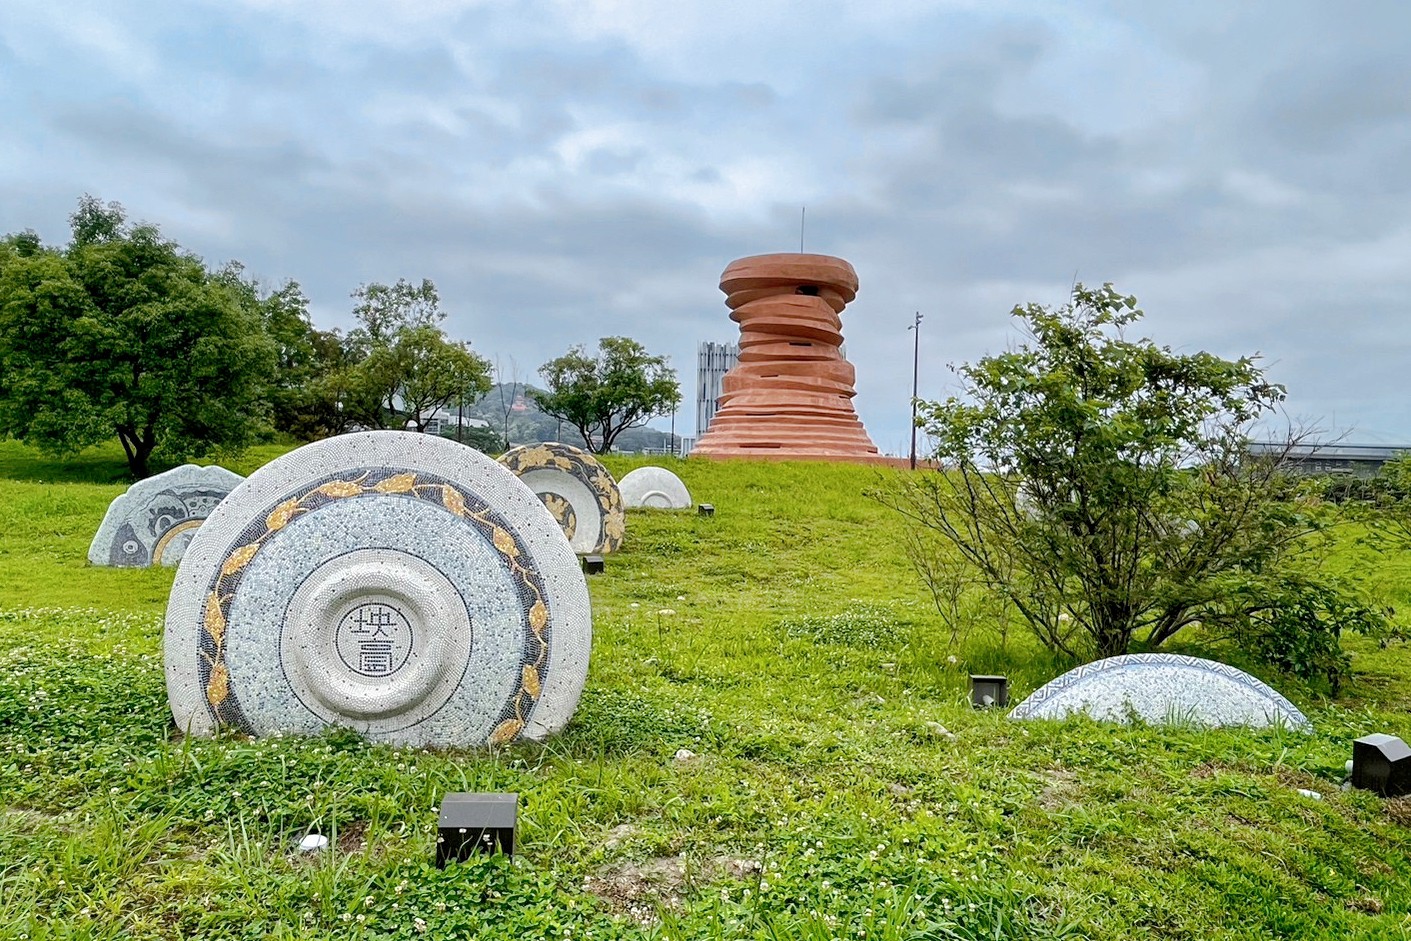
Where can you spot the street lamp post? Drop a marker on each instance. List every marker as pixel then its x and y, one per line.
pixel 915 372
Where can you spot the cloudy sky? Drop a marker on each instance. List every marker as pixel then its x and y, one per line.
pixel 571 169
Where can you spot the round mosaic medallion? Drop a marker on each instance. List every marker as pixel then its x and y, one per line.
pixel 655 487
pixel 578 490
pixel 394 583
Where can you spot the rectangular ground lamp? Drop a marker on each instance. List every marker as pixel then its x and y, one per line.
pixel 475 823
pixel 706 509
pixel 593 565
pixel 1382 763
pixel 986 691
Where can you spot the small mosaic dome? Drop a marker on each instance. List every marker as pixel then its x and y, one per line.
pixel 1161 689
pixel 654 487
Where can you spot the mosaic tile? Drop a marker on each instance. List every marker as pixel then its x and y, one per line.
pixel 577 489
pixel 153 522
pixel 394 583
pixel 1160 689
pixel 654 487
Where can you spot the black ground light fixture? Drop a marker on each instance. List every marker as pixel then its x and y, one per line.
pixel 705 509
pixel 1382 763
pixel 475 823
pixel 986 691
pixel 593 565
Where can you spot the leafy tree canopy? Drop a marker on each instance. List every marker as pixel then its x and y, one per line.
pixel 121 332
pixel 401 367
pixel 1102 486
pixel 622 387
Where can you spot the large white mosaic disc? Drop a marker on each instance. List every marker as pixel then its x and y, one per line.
pixel 153 522
pixel 655 487
pixel 577 489
pixel 1162 688
pixel 395 583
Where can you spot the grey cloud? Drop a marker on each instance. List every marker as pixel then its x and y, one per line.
pixel 1325 105
pixel 119 129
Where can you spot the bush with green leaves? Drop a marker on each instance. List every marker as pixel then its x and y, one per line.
pixel 1102 485
pixel 1294 622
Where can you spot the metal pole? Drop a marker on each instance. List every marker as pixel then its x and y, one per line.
pixel 915 372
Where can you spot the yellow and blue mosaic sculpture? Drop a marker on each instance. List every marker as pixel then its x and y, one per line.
pixel 394 583
pixel 577 489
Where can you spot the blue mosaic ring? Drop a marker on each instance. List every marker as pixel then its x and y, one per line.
pixel 394 583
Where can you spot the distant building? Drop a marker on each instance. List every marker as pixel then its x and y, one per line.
pixel 444 422
pixel 1357 460
pixel 713 361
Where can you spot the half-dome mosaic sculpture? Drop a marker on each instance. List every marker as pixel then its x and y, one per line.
pixel 394 583
pixel 655 487
pixel 577 489
pixel 152 523
pixel 1160 689
pixel 791 393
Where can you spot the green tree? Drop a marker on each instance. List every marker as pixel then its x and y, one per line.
pixel 1102 486
pixel 602 396
pixel 302 396
pixel 122 333
pixel 401 366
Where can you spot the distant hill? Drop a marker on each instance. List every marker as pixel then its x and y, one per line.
pixel 511 412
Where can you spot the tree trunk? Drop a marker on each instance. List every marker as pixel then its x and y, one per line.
pixel 138 451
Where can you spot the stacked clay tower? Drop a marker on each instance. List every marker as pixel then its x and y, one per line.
pixel 791 394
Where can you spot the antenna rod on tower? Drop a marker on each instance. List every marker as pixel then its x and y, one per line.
pixel 803 211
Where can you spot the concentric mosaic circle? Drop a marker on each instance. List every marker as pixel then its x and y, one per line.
pixel 394 583
pixel 577 488
pixel 655 487
pixel 1162 688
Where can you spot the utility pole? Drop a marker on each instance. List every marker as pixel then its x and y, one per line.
pixel 915 372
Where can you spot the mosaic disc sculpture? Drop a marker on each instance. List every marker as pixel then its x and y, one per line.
pixel 791 393
pixel 395 583
pixel 654 487
pixel 577 489
pixel 1162 688
pixel 152 523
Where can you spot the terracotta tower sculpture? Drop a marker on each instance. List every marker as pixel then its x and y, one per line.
pixel 791 394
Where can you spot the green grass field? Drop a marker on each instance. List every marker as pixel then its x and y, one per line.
pixel 842 786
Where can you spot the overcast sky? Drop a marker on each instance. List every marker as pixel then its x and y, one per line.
pixel 571 169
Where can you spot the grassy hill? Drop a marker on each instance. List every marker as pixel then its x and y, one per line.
pixel 841 786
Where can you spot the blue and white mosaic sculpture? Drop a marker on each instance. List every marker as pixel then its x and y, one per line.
pixel 654 487
pixel 394 583
pixel 1162 688
pixel 152 523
